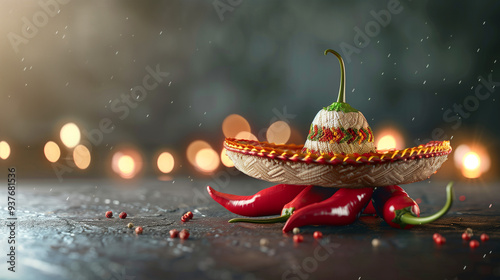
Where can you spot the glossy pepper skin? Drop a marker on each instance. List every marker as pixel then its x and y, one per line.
pixel 397 209
pixel 343 208
pixel 266 202
pixel 309 195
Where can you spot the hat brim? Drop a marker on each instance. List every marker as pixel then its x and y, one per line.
pixel 288 165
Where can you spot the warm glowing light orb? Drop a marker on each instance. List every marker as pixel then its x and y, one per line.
pixel 4 150
pixel 193 148
pixel 387 142
pixel 278 132
pixel 207 160
pixel 471 161
pixel 81 156
pixel 165 162
pixel 233 124
pixel 52 151
pixel 127 163
pixel 246 135
pixel 225 159
pixel 389 139
pixel 70 135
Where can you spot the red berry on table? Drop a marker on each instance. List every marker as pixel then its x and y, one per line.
pixel 189 214
pixel 184 219
pixel 109 214
pixel 297 238
pixel 466 236
pixel 485 237
pixel 122 215
pixel 440 240
pixel 474 244
pixel 184 234
pixel 174 233
pixel 435 236
pixel 318 234
pixel 138 230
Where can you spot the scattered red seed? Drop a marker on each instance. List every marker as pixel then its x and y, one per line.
pixel 174 233
pixel 297 238
pixel 138 230
pixel 435 236
pixel 109 214
pixel 318 234
pixel 485 237
pixel 466 236
pixel 189 214
pixel 474 244
pixel 440 240
pixel 461 198
pixel 122 215
pixel 184 234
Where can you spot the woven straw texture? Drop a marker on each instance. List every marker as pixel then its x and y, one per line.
pixel 339 175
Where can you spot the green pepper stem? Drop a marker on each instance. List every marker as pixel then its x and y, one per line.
pixel 408 218
pixel 341 98
pixel 279 219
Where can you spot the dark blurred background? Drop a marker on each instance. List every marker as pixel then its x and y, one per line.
pixel 142 78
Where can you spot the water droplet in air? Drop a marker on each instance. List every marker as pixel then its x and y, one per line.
pixel 495 61
pixel 412 119
pixel 427 66
pixel 459 82
pixel 425 81
pixel 116 52
pixel 478 49
pixel 435 93
pixel 353 89
pixel 369 98
pixel 147 116
pixel 169 83
pixel 389 55
pixel 484 22
pixel 161 32
pixel 416 72
pixel 490 205
pixel 382 73
pixel 444 79
pixel 172 102
pixel 421 40
pixel 449 47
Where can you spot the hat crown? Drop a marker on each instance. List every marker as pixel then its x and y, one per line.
pixel 337 132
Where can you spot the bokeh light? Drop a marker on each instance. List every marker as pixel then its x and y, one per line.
pixel 389 139
pixel 246 135
pixel 225 159
pixel 233 124
pixel 70 135
pixel 278 132
pixel 127 163
pixel 81 156
pixel 207 160
pixel 193 149
pixel 4 150
pixel 52 151
pixel 472 161
pixel 165 162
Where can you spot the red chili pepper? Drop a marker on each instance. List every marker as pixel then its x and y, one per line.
pixel 394 205
pixel 342 208
pixel 266 202
pixel 369 210
pixel 309 195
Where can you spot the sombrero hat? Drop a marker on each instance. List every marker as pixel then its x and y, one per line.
pixel 339 152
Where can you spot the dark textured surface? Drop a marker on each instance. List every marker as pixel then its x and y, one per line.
pixel 63 234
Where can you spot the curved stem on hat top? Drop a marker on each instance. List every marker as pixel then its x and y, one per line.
pixel 341 98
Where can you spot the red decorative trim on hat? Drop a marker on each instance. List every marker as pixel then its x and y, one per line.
pixel 293 152
pixel 340 135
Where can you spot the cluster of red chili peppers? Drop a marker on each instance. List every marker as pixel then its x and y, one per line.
pixel 302 205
